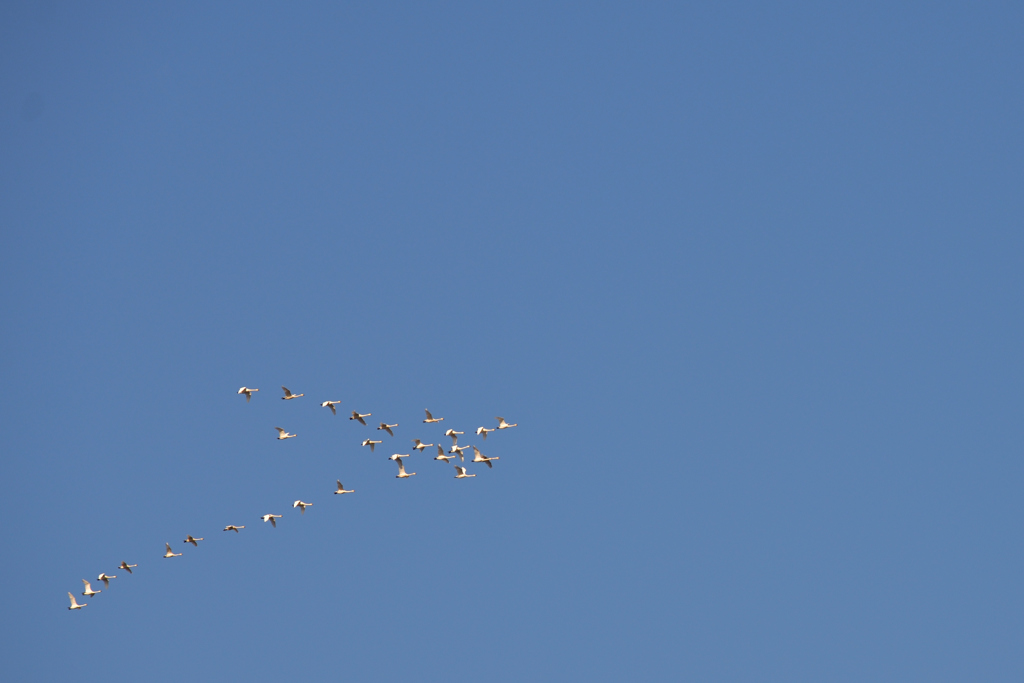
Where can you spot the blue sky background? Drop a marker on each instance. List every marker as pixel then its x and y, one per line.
pixel 748 276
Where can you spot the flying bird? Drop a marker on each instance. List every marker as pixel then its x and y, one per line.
pixel 170 553
pixel 127 567
pixel 420 445
pixel 302 506
pixel 442 456
pixel 387 428
pixel 504 425
pixel 402 474
pixel 341 489
pixel 74 604
pixel 452 433
pixel 461 473
pixel 248 392
pixel 288 395
pixel 358 416
pixel 431 418
pixel 396 456
pixel 371 443
pixel 105 578
pixel 330 404
pixel 272 519
pixel 482 431
pixel 281 434
pixel 480 457
pixel 192 540
pixel 232 527
pixel 89 592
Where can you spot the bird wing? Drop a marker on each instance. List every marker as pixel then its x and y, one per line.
pixel 273 521
pixel 429 416
pixel 361 420
pixel 455 440
pixel 388 430
pixel 333 409
pixel 488 461
pixel 280 431
pixel 401 466
pixel 73 603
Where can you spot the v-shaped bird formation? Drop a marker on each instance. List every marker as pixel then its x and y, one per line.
pixel 456 451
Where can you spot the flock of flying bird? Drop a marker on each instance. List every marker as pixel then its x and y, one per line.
pixel 455 451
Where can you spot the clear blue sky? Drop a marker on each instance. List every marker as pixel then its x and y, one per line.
pixel 747 275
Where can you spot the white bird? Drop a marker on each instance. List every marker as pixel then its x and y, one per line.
pixel 387 428
pixel 442 456
pixel 462 473
pixel 288 395
pixel 74 603
pixel 420 445
pixel 452 433
pixel 482 431
pixel 272 519
pixel 341 489
pixel 170 553
pixel 402 474
pixel 371 443
pixel 504 425
pixel 232 527
pixel 302 506
pixel 127 567
pixel 360 416
pixel 192 540
pixel 330 404
pixel 89 592
pixel 105 578
pixel 248 392
pixel 480 457
pixel 396 456
pixel 281 434
pixel 431 418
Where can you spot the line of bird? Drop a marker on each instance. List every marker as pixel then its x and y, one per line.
pixel 455 451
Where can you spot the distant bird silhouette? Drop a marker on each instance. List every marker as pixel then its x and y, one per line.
pixel 402 474
pixel 192 540
pixel 105 578
pixel 452 433
pixel 248 392
pixel 232 527
pixel 330 404
pixel 272 519
pixel 282 434
pixel 360 416
pixel 480 457
pixel 74 603
pixel 442 456
pixel 341 489
pixel 288 395
pixel 420 445
pixel 504 425
pixel 302 506
pixel 387 428
pixel 89 592
pixel 170 553
pixel 371 443
pixel 431 418
pixel 461 473
pixel 482 431
pixel 127 567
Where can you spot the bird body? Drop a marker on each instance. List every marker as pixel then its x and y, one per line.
pixel 288 395
pixel 480 457
pixel 272 519
pixel 74 603
pixel 232 527
pixel 387 428
pixel 330 404
pixel 341 489
pixel 371 443
pixel 89 592
pixel 442 456
pixel 105 578
pixel 396 456
pixel 402 474
pixel 282 434
pixel 302 506
pixel 504 425
pixel 420 445
pixel 452 433
pixel 248 392
pixel 360 416
pixel 127 567
pixel 192 540
pixel 170 553
pixel 482 431
pixel 431 418
pixel 460 473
